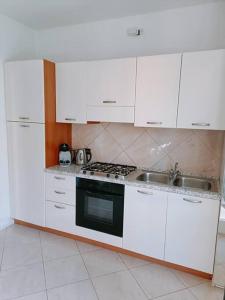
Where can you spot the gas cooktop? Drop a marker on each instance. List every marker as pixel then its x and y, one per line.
pixel 107 169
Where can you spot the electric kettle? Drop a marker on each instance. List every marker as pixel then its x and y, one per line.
pixel 64 155
pixel 82 156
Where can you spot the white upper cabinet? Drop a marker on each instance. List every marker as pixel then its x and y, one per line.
pixel 202 90
pixel 145 221
pixel 24 90
pixel 71 92
pixel 191 231
pixel 112 82
pixel 157 90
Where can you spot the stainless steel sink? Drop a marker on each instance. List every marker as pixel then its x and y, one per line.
pixel 154 177
pixel 195 183
pixel 183 181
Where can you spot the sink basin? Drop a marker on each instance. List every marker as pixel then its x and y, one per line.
pixel 183 181
pixel 195 182
pixel 154 177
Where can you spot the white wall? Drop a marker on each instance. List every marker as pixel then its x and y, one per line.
pixel 185 29
pixel 16 42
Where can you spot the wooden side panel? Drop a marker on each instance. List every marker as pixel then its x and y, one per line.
pixel 55 133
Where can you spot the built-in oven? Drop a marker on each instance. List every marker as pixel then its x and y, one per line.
pixel 100 205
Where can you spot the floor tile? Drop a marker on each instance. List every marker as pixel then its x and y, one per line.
pixel 21 281
pixel 189 280
pixel 21 255
pixel 132 262
pixel 39 296
pixel 2 235
pixel 64 271
pixel 58 248
pixel 116 286
pixel 85 247
pixel 181 295
pixel 46 236
pixel 17 234
pixel 103 262
pixel 157 280
pixel 82 290
pixel 207 292
pixel 219 275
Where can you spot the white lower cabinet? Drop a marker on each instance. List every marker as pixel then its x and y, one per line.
pixel 191 231
pixel 60 202
pixel 60 216
pixel 145 221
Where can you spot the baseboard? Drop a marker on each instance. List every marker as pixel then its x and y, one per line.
pixel 4 223
pixel 120 250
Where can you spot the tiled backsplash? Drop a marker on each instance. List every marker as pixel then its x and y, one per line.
pixel 198 152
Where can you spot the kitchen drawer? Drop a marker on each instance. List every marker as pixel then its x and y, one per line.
pixel 60 217
pixel 60 181
pixel 124 114
pixel 60 195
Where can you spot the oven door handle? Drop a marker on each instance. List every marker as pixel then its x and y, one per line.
pixel 101 195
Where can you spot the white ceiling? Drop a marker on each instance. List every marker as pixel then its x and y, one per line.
pixel 42 14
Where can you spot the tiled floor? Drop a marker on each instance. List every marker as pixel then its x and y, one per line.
pixel 39 266
pixel 219 277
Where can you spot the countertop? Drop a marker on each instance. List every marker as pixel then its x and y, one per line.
pixel 74 170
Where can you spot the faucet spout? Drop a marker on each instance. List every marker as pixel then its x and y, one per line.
pixel 174 173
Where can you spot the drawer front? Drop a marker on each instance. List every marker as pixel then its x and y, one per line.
pixel 60 195
pixel 60 181
pixel 60 217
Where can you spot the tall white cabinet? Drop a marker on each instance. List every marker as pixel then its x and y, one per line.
pixel 32 142
pixel 27 160
pixel 24 91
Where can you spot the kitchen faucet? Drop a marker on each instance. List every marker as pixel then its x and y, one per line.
pixel 174 173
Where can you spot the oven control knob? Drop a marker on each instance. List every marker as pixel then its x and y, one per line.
pixel 92 173
pixel 84 172
pixel 108 175
pixel 116 176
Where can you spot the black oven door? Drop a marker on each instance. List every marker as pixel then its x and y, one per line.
pixel 100 211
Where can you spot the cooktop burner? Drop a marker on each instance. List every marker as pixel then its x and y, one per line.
pixel 108 169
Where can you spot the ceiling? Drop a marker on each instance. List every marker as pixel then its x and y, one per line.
pixel 43 14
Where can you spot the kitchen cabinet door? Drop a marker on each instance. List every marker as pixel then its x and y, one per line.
pixel 71 92
pixel 191 231
pixel 202 90
pixel 145 221
pixel 157 90
pixel 60 216
pixel 26 144
pixel 24 91
pixel 112 82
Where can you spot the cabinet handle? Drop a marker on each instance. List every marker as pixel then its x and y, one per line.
pixel 154 123
pixel 26 126
pixel 109 101
pixel 201 124
pixel 145 193
pixel 59 207
pixel 70 119
pixel 60 193
pixel 192 201
pixel 24 118
pixel 59 178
